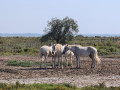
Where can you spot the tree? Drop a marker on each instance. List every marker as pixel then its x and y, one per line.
pixel 61 31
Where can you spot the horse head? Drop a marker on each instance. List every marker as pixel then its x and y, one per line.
pixel 66 48
pixel 53 49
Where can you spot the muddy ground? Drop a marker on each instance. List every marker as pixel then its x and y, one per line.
pixel 108 72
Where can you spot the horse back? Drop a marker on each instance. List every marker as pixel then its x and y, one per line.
pixel 92 49
pixel 59 49
pixel 45 50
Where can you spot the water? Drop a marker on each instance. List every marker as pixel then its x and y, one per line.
pixel 39 35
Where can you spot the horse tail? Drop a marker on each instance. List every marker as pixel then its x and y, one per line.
pixel 97 58
pixel 42 58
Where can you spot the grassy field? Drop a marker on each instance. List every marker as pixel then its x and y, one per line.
pixel 65 86
pixel 107 46
pixel 31 45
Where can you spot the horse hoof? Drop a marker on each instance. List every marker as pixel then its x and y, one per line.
pixel 78 67
pixel 92 67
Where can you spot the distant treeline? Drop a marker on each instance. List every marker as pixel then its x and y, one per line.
pixel 31 45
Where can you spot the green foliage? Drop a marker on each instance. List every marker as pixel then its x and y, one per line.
pixel 25 64
pixel 69 86
pixel 65 86
pixel 17 49
pixel 30 51
pixel 22 63
pixel 30 64
pixel 30 45
pixel 101 86
pixel 35 86
pixel 65 64
pixel 19 45
pixel 6 53
pixel 13 63
pixel 61 31
pixel 104 45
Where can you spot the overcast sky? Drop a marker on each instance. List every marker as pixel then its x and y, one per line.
pixel 31 16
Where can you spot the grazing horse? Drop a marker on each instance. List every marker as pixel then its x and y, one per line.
pixel 57 50
pixel 80 51
pixel 44 52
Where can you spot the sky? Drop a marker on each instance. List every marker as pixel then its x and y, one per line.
pixel 32 16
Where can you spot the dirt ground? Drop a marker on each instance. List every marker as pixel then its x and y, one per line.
pixel 108 72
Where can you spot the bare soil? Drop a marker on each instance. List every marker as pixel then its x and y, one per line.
pixel 108 72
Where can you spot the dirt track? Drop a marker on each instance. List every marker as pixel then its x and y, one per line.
pixel 108 72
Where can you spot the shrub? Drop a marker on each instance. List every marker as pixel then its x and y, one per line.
pixel 13 63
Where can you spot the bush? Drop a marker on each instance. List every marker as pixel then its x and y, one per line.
pixel 17 49
pixel 13 63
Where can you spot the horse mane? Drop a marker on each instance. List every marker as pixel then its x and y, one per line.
pixel 75 46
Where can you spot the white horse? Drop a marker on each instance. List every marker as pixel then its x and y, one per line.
pixel 44 52
pixel 57 50
pixel 80 51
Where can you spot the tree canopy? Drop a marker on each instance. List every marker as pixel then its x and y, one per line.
pixel 61 31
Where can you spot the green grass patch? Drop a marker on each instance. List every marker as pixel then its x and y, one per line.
pixel 6 53
pixel 30 64
pixel 45 86
pixel 22 63
pixel 35 86
pixel 101 86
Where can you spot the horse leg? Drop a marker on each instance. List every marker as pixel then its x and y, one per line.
pixel 53 62
pixel 79 66
pixel 93 60
pixel 71 60
pixel 77 61
pixel 40 61
pixel 62 62
pixel 58 62
pixel 54 58
pixel 45 62
pixel 66 60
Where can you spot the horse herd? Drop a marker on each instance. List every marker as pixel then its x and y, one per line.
pixel 58 51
